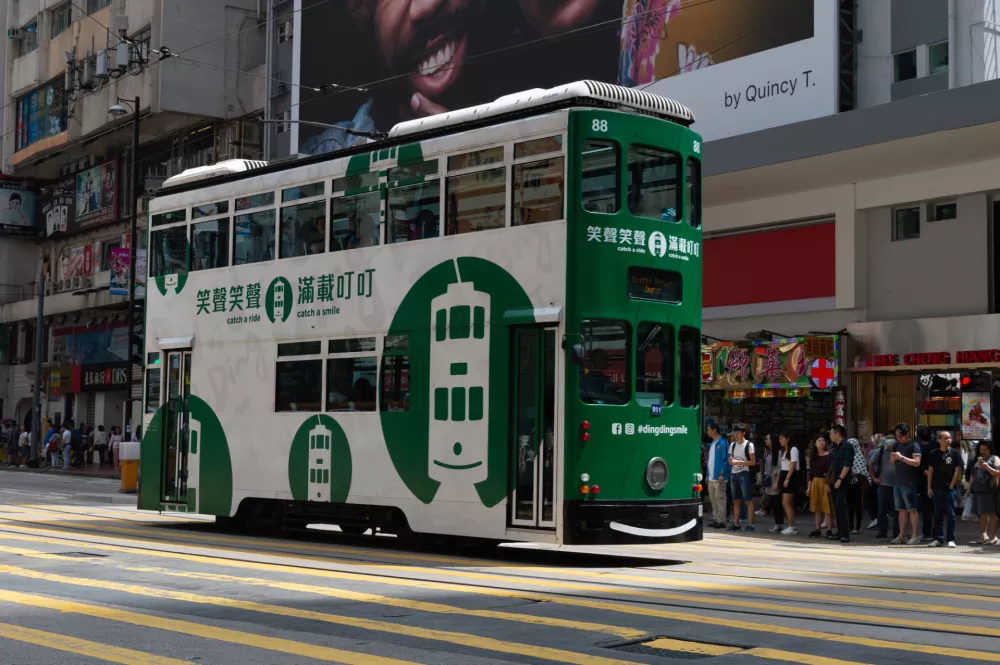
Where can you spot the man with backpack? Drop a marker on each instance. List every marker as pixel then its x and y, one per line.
pixel 741 459
pixel 883 475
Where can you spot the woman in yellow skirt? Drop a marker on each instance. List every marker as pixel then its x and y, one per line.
pixel 818 491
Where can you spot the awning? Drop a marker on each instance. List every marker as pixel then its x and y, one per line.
pixel 170 343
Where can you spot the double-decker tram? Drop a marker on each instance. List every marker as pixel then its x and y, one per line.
pixel 485 324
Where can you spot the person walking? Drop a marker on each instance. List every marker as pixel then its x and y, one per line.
pixel 818 490
pixel 789 466
pixel 985 471
pixel 24 446
pixel 883 475
pixel 906 459
pixel 101 445
pixel 76 441
pixel 717 472
pixel 861 484
pixel 67 447
pixel 944 474
pixel 771 500
pixel 742 458
pixel 841 464
pixel 924 503
pixel 116 442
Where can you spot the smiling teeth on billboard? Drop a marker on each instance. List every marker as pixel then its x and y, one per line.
pixel 740 65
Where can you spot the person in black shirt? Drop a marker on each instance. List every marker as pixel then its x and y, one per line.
pixel 924 502
pixel 944 472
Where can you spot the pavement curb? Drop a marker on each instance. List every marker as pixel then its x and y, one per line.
pixel 59 472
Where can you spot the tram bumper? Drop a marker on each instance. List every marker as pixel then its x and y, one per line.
pixel 638 522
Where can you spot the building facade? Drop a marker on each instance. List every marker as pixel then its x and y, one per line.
pixel 197 68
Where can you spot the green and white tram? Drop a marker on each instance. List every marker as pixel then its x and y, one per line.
pixel 485 324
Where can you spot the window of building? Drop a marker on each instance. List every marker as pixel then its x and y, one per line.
pixel 41 113
pixel 210 244
pixel 604 370
pixel 652 183
pixel 940 211
pixel 286 30
pixel 29 39
pixel 654 371
pixel 60 19
pixel 690 367
pixel 168 252
pixel 692 200
pixel 904 65
pixel 937 58
pixel 395 375
pixel 477 201
pixel 302 192
pixel 599 170
pixel 906 223
pixel 96 5
pixel 354 221
pixel 537 189
pixel 303 229
pixel 415 211
pixel 285 125
pixel 140 47
pixel 254 238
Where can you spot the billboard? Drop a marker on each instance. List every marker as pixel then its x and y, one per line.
pixel 740 66
pixel 17 209
pixel 97 196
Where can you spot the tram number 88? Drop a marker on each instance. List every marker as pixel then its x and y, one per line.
pixel 600 125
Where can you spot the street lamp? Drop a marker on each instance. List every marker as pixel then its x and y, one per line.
pixel 118 110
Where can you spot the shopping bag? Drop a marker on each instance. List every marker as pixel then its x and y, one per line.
pixel 967 515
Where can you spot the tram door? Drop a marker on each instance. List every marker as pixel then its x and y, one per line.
pixel 533 428
pixel 181 434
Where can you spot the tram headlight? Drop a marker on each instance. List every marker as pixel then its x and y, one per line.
pixel 656 473
pixel 698 477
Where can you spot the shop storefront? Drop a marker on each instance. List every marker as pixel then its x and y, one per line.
pixel 939 373
pixel 787 385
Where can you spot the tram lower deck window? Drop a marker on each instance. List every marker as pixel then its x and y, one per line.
pixel 299 386
pixel 604 375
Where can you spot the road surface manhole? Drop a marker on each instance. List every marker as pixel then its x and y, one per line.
pixel 666 647
pixel 81 555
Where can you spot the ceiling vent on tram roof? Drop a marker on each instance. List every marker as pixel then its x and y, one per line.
pixel 228 167
pixel 584 93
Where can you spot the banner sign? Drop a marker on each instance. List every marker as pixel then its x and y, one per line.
pixel 119 271
pixel 58 206
pixel 17 209
pixel 976 416
pixel 97 196
pixel 787 363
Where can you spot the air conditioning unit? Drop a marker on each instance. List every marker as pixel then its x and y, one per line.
pixel 101 68
pixel 87 76
pixel 76 282
pixel 122 56
pixel 87 282
pixel 13 33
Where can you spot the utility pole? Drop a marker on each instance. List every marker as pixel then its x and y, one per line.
pixel 36 400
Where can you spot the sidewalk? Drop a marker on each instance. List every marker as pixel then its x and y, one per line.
pixel 89 471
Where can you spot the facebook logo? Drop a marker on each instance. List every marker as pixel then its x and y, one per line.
pixel 616 428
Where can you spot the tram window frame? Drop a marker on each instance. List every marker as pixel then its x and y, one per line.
pixel 340 352
pixel 254 217
pixel 316 243
pixel 403 182
pixel 458 189
pixel 153 400
pixel 624 334
pixel 297 357
pixel 224 236
pixel 204 210
pixel 179 231
pixel 168 218
pixel 304 192
pixel 636 193
pixel 603 144
pixel 395 351
pixel 521 168
pixel 335 242
pixel 689 367
pixel 692 193
pixel 643 338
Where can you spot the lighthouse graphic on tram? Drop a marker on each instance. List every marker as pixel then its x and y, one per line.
pixel 320 460
pixel 459 384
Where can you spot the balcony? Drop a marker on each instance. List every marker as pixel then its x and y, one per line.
pixel 25 72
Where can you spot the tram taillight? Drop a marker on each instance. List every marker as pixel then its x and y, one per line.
pixel 585 424
pixel 595 489
pixel 584 489
pixel 585 436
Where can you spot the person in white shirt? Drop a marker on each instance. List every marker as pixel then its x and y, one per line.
pixel 741 458
pixel 67 438
pixel 785 483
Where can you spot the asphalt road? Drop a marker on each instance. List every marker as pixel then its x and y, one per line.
pixel 85 579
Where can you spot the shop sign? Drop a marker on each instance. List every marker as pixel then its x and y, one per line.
pixel 767 394
pixel 840 407
pixel 17 208
pixel 782 364
pixel 981 356
pixel 95 378
pixel 55 385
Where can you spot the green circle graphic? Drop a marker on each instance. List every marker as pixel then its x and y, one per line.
pixel 286 300
pixel 319 462
pixel 407 433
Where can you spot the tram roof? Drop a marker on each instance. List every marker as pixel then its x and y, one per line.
pixel 590 94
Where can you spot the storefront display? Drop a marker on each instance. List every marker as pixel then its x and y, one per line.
pixel 782 385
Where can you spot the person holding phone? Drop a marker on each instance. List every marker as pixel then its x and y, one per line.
pixel 984 493
pixel 906 458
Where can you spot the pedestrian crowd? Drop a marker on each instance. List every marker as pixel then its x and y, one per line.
pixel 64 447
pixel 915 489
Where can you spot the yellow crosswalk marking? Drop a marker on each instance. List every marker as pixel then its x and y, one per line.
pixel 104 652
pixel 800 658
pixel 699 648
pixel 463 639
pixel 192 629
pixel 689 617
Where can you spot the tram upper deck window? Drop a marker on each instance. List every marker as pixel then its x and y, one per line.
pixel 599 162
pixel 168 251
pixel 537 188
pixel 414 202
pixel 254 237
pixel 354 221
pixel 604 371
pixel 652 183
pixel 692 200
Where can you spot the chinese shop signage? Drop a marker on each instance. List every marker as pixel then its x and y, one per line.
pixel 789 364
pixel 934 358
pixel 95 378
